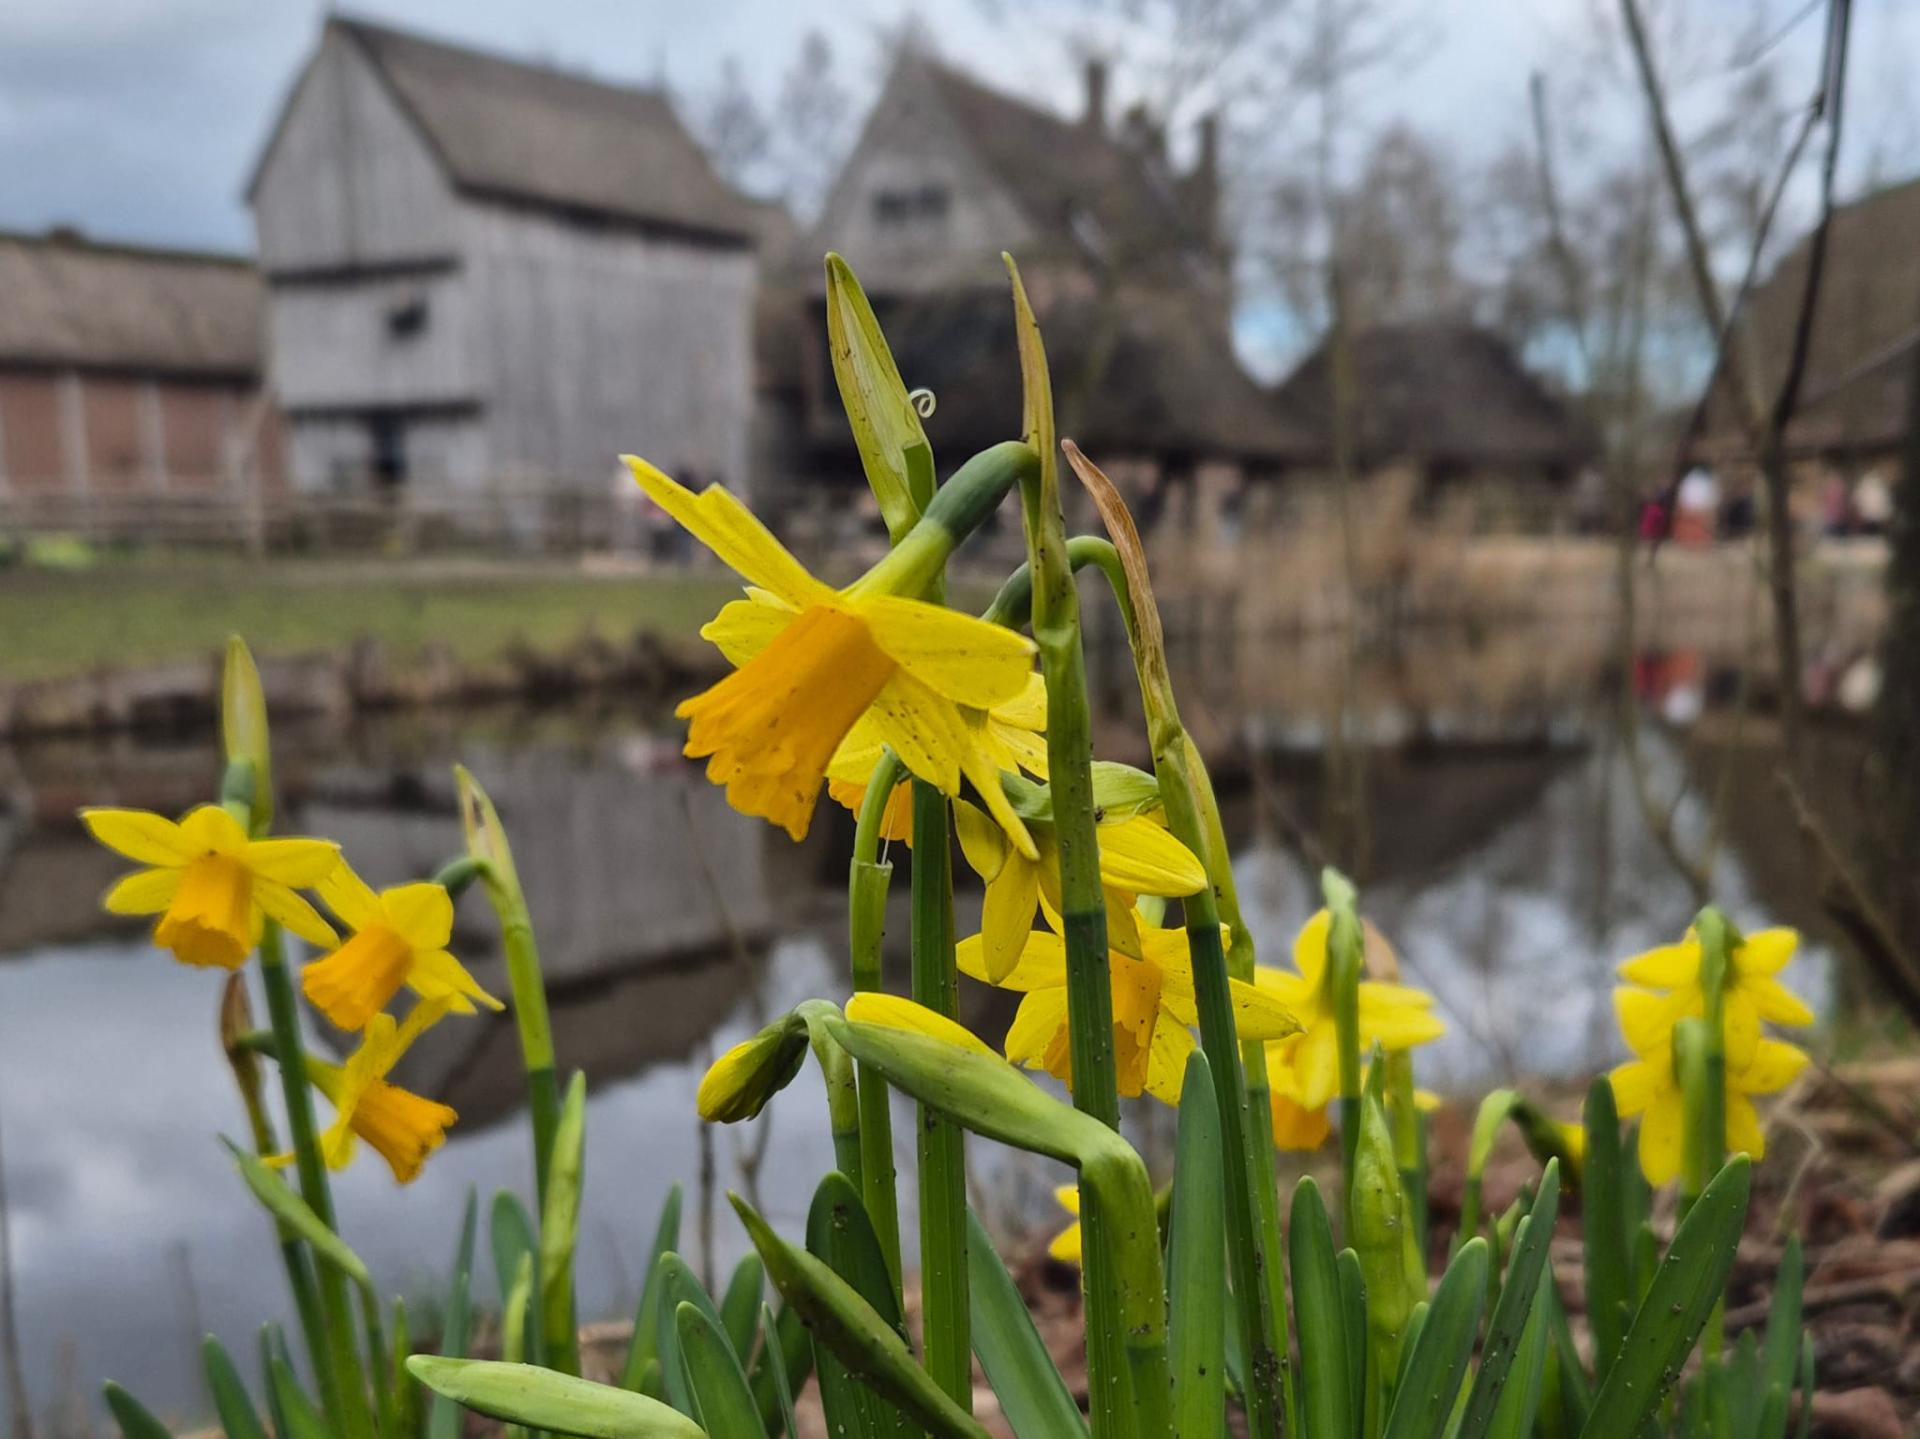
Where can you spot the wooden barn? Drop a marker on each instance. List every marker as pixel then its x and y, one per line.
pixel 488 278
pixel 130 399
pixel 1450 408
pixel 1119 251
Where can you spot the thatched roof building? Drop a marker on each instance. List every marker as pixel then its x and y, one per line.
pixel 504 130
pixel 1853 398
pixel 128 376
pixel 72 303
pixel 1449 398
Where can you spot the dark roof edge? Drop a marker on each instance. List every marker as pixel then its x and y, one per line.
pixel 128 249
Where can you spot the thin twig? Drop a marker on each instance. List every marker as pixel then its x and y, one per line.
pixel 1848 904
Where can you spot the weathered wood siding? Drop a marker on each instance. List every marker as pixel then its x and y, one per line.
pixel 348 180
pixel 911 143
pixel 601 340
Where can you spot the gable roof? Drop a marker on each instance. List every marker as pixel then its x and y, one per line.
pixel 1865 325
pixel 510 130
pixel 1446 392
pixel 73 303
pixel 1141 379
pixel 1084 189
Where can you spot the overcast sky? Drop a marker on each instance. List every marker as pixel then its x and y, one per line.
pixel 138 119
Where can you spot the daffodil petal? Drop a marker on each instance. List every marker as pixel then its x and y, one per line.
pixel 1042 963
pixel 349 896
pixel 1006 918
pixel 1310 947
pixel 422 914
pixel 1778 1004
pixel 140 835
pixel 1026 711
pixel 890 1011
pixel 1661 1138
pixel 967 660
pixel 438 974
pixel 925 730
pixel 1668 967
pixel 1767 952
pixel 1316 1065
pixel 1744 1132
pixel 1041 1016
pixel 1141 857
pixel 1167 1062
pixel 1257 1015
pixel 1646 1019
pixel 298 863
pixel 1775 1065
pixel 982 841
pixel 1400 1027
pixel 146 891
pixel 210 827
pixel 1634 1085
pixel 293 913
pixel 985 777
pixel 1743 1027
pixel 744 628
pixel 732 531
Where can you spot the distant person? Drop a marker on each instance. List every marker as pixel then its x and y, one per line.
pixel 1835 510
pixel 1696 507
pixel 1737 516
pixel 1873 503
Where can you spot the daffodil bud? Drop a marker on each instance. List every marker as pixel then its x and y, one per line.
pixel 881 412
pixel 243 730
pixel 1380 1230
pixel 740 1082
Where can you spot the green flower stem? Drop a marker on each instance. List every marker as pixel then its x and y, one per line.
pixel 868 882
pixel 342 1374
pixel 843 1103
pixel 1055 619
pixel 1346 957
pixel 1253 1216
pixel 944 1300
pixel 1012 604
pixel 1253 1253
pixel 1253 1062
pixel 530 1016
pixel 487 845
pixel 293 1255
pixel 1705 1141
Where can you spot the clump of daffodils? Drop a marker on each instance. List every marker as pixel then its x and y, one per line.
pixel 215 888
pixel 1674 983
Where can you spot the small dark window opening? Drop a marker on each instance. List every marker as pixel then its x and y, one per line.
pixel 407 319
pixel 388 439
pixel 921 204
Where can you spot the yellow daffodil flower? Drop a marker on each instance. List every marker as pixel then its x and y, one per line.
pixel 403 1126
pixel 811 661
pixel 1066 1244
pixel 1153 1009
pixel 1753 994
pixel 1011 736
pixel 1303 1072
pixel 212 885
pixel 1137 856
pixel 399 938
pixel 1646 1085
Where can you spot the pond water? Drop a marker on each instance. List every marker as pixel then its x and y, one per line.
pixel 1505 857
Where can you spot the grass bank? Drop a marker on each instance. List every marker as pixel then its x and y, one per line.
pixel 55 624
